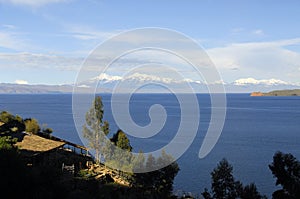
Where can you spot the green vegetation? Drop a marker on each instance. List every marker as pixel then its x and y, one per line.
pixel 157 183
pixel 95 128
pixel 120 140
pixel 294 92
pixel 12 169
pixel 154 184
pixel 11 123
pixel 15 124
pixel 120 156
pixel 224 186
pixel 21 181
pixel 286 168
pixel 32 126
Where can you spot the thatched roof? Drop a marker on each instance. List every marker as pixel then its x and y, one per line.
pixel 37 143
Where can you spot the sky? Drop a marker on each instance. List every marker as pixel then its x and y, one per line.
pixel 249 41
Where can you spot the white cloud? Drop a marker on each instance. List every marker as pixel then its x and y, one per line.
pixel 9 26
pixel 33 60
pixel 83 32
pixel 9 40
pixel 32 3
pixel 13 39
pixel 19 81
pixel 243 31
pixel 258 32
pixel 237 30
pixel 258 59
pixel 91 35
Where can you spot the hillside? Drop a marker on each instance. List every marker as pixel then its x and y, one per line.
pixel 294 92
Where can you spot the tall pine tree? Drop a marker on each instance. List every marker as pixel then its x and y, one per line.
pixel 95 128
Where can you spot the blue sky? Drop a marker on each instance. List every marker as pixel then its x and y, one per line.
pixel 46 41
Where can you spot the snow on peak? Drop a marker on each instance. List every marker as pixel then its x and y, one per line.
pixel 250 80
pixel 108 78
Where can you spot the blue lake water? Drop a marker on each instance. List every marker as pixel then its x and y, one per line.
pixel 255 128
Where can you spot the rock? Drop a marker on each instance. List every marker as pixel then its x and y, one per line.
pixel 257 94
pixel 99 176
pixel 104 179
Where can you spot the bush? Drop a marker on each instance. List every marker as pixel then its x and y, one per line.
pixel 32 126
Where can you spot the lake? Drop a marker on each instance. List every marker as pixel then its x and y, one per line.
pixel 255 128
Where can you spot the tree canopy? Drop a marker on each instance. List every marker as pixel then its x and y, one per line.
pixel 14 124
pixel 121 140
pixel 286 168
pixel 32 126
pixel 95 129
pixel 11 123
pixel 224 185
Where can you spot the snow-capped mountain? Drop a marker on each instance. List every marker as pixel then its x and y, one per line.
pixel 106 83
pixel 240 85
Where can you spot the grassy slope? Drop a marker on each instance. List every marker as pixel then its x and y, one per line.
pixel 295 92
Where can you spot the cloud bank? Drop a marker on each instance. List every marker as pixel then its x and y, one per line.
pixel 259 59
pixel 31 3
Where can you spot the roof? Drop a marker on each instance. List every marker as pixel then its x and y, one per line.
pixel 35 143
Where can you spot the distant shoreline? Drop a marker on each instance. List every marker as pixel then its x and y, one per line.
pixel 293 92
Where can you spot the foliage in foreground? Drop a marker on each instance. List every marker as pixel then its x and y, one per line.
pixel 116 153
pixel 16 124
pixel 157 183
pixel 21 181
pixel 95 129
pixel 286 168
pixel 224 186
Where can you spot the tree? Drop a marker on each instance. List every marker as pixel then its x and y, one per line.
pixel 286 168
pixel 11 123
pixel 7 143
pixel 158 183
pixel 138 178
pixel 166 174
pixel 47 130
pixel 250 192
pixel 95 129
pixel 224 186
pixel 118 154
pixel 223 183
pixel 20 181
pixel 32 126
pixel 121 140
pixel 138 163
pixel 150 163
pixel 12 169
pixel 6 117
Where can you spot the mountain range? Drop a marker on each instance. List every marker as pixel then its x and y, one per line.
pixel 106 83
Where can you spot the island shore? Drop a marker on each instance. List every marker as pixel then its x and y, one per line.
pixel 294 92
